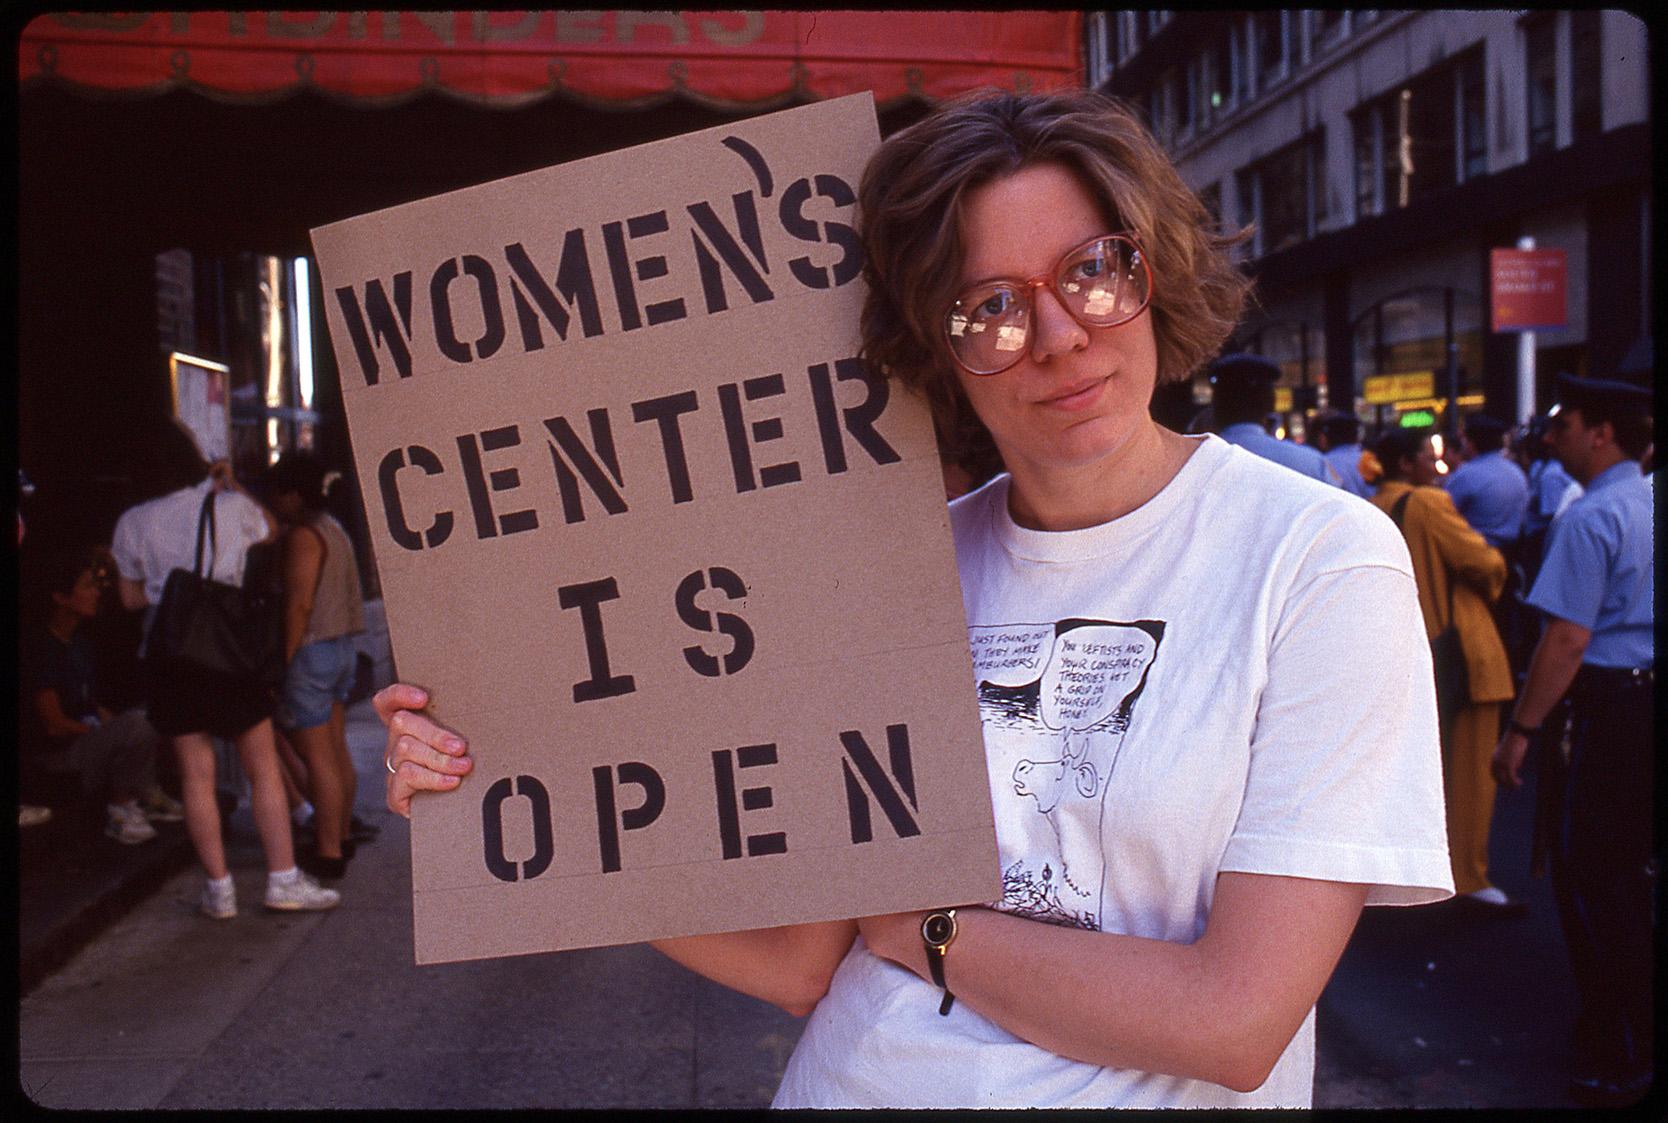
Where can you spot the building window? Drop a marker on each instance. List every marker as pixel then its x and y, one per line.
pixel 1421 138
pixel 1472 139
pixel 1239 50
pixel 1285 195
pixel 1269 46
pixel 1586 74
pixel 1369 196
pixel 1129 35
pixel 1542 73
pixel 1326 27
pixel 1219 75
pixel 1245 185
pixel 1195 95
pixel 1211 196
pixel 1156 20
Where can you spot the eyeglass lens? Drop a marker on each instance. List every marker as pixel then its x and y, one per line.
pixel 1101 284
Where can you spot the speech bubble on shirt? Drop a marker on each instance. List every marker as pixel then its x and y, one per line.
pixel 1091 670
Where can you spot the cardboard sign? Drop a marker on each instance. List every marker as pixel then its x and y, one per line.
pixel 660 548
pixel 1528 289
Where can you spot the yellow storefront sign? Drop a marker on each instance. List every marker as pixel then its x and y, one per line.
pixel 1385 388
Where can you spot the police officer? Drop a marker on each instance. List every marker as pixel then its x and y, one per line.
pixel 1595 590
pixel 1338 435
pixel 1242 394
pixel 1489 489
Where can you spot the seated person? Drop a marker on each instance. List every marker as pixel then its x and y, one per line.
pixel 115 754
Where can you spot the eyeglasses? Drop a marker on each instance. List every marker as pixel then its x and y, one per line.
pixel 1102 283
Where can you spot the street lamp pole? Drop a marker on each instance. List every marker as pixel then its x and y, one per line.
pixel 1525 360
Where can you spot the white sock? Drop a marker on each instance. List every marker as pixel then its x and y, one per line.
pixel 122 810
pixel 302 813
pixel 283 877
pixel 221 883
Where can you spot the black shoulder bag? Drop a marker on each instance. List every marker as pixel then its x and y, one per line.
pixel 227 630
pixel 1453 680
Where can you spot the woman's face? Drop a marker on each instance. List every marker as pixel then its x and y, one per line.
pixel 1080 393
pixel 1422 467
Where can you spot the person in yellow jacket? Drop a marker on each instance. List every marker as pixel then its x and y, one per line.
pixel 1457 571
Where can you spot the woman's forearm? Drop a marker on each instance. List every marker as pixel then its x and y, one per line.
pixel 789 967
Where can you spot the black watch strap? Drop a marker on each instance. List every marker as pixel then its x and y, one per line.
pixel 938 932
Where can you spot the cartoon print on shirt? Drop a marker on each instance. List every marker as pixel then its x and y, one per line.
pixel 1057 700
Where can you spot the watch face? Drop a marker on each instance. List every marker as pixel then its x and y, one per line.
pixel 938 928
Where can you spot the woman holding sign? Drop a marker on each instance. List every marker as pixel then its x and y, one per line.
pixel 1203 784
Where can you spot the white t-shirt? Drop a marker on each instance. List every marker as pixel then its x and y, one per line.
pixel 1233 677
pixel 159 536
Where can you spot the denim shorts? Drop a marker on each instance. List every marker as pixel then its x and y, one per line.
pixel 320 674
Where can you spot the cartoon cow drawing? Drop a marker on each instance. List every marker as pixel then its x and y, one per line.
pixel 1085 696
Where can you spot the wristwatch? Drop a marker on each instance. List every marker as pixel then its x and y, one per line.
pixel 1517 726
pixel 938 932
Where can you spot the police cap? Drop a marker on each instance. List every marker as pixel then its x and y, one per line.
pixel 1243 369
pixel 1610 396
pixel 1483 425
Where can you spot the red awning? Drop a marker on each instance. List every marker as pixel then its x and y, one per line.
pixel 612 59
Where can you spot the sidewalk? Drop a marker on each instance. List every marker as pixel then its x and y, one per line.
pixel 73 883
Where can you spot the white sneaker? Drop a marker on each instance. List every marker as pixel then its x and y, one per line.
pixel 32 815
pixel 301 895
pixel 218 903
pixel 127 825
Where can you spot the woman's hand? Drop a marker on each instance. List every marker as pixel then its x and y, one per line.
pixel 897 936
pixel 421 756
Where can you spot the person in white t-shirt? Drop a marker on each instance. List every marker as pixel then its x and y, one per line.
pixel 1206 780
pixel 190 705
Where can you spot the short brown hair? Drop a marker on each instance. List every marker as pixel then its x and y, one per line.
pixel 909 206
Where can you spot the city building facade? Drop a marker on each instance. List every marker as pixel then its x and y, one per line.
pixel 1379 157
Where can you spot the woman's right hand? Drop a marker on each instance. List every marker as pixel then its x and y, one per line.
pixel 421 756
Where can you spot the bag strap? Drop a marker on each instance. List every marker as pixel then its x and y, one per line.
pixel 1397 512
pixel 205 521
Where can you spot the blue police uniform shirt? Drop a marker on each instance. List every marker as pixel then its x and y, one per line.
pixel 1599 568
pixel 1547 483
pixel 1346 461
pixel 1250 436
pixel 1492 493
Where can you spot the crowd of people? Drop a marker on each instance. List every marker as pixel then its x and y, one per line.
pixel 1532 553
pixel 163 716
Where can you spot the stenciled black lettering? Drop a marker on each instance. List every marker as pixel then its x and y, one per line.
pixel 478 483
pixel 621 268
pixel 393 508
pixel 720 242
pixel 383 330
pixel 609 821
pixel 588 597
pixel 574 284
pixel 492 829
pixel 566 443
pixel 492 312
pixel 859 419
pixel 879 784
pixel 791 211
pixel 665 413
pixel 724 766
pixel 741 437
pixel 741 652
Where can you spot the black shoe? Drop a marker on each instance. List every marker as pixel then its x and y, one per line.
pixel 325 869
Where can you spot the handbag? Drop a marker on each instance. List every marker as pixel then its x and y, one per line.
pixel 1453 678
pixel 209 626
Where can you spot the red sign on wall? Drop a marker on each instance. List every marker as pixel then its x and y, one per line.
pixel 1527 289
